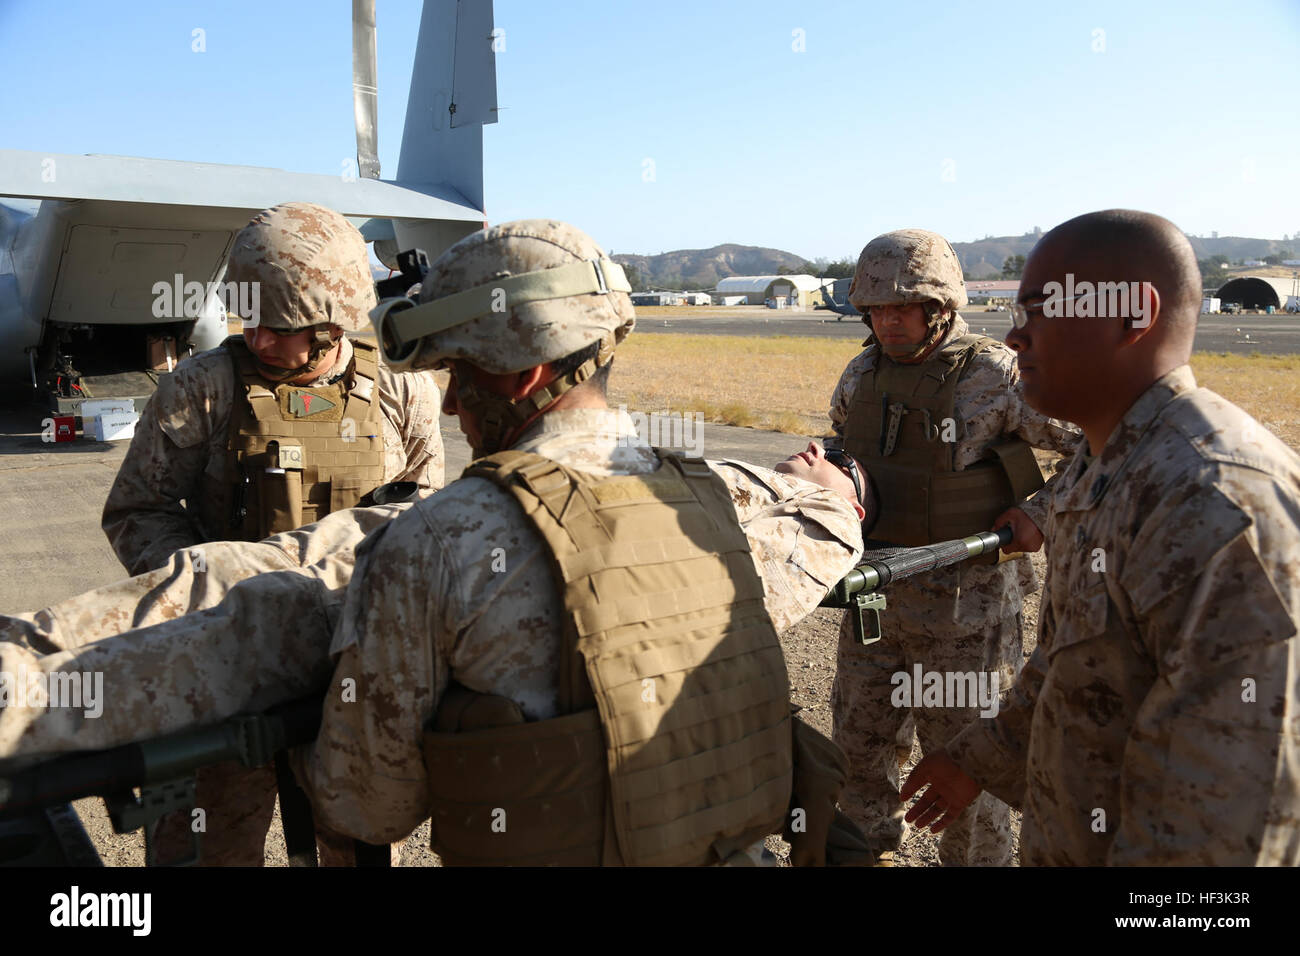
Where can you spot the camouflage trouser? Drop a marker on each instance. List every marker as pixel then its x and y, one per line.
pixel 238 804
pixel 873 732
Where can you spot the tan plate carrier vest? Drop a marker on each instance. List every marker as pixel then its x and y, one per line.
pixel 896 427
pixel 296 453
pixel 674 744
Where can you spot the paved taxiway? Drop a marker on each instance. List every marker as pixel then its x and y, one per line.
pixel 1241 334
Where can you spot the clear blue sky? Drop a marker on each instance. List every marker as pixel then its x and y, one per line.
pixel 971 119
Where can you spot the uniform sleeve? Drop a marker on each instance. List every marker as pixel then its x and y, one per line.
pixel 143 516
pixel 803 546
pixel 803 537
pixel 993 751
pixel 842 398
pixel 365 772
pixel 1039 503
pixel 193 579
pixel 1211 769
pixel 412 404
pixel 264 642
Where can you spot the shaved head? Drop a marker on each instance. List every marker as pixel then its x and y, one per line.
pixel 1125 244
pixel 1110 302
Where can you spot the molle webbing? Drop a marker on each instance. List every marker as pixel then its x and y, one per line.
pixel 304 450
pixel 903 426
pixel 667 637
pixel 510 793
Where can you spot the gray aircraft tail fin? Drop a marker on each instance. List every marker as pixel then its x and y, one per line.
pixel 453 94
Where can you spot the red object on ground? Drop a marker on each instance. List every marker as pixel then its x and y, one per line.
pixel 65 428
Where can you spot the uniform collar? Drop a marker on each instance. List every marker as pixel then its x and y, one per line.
pixel 602 441
pixel 1083 485
pixel 958 328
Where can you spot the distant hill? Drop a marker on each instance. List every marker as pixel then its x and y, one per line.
pixel 982 259
pixel 702 268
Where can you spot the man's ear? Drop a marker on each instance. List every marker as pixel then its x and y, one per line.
pixel 527 381
pixel 1136 327
pixel 862 512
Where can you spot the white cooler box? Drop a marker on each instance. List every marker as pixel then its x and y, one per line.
pixel 93 407
pixel 113 426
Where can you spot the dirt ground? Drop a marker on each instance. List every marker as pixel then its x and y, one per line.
pixel 810 659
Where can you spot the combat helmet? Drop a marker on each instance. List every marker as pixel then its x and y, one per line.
pixel 910 266
pixel 312 271
pixel 507 299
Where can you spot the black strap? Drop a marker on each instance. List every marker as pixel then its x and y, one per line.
pixel 295 815
pixel 372 854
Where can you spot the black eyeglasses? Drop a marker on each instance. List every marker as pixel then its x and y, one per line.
pixel 845 463
pixel 1021 311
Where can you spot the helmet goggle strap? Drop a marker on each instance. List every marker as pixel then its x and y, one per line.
pixel 502 420
pixel 401 325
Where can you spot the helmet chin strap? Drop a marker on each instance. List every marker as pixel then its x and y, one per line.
pixel 321 346
pixel 501 420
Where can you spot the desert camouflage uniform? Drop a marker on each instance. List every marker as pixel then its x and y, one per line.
pixel 240 801
pixel 253 628
pixel 426 606
pixel 182 435
pixel 167 666
pixel 262 641
pixel 312 271
pixel 963 618
pixel 1156 721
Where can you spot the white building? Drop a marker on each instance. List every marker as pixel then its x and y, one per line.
pixel 789 292
pixel 981 293
pixel 658 298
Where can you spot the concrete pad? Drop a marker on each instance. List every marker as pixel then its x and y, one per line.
pixel 51 497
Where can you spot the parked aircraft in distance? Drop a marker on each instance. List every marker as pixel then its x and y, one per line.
pixel 840 305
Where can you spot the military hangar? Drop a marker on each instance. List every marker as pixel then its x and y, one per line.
pixel 786 291
pixel 1258 292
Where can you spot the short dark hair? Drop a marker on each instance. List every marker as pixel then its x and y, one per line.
pixel 571 362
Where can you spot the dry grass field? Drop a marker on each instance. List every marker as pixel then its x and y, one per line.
pixel 784 383
pixel 779 382
pixel 1266 386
